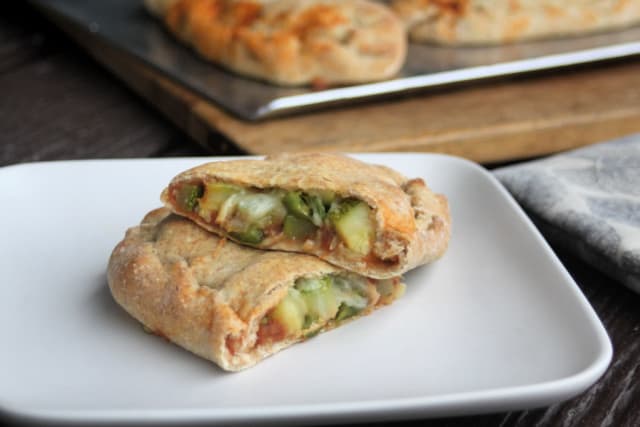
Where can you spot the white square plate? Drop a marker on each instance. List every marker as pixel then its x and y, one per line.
pixel 495 325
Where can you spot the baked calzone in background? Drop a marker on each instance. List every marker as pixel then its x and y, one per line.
pixel 362 217
pixel 291 42
pixel 500 21
pixel 228 303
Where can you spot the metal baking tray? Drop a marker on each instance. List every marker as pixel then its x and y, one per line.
pixel 126 25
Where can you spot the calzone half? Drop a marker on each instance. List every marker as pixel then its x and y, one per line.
pixel 366 218
pixel 228 303
pixel 291 42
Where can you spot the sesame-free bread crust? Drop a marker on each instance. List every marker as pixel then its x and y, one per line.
pixel 291 42
pixel 501 21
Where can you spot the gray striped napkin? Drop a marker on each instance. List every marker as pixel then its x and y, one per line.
pixel 587 200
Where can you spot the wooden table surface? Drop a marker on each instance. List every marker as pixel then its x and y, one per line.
pixel 56 103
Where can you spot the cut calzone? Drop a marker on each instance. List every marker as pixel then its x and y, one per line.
pixel 228 303
pixel 366 218
pixel 291 42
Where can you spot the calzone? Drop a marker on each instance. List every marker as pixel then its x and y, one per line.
pixel 500 21
pixel 228 303
pixel 362 217
pixel 291 42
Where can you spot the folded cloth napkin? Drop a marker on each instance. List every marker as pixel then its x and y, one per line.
pixel 588 201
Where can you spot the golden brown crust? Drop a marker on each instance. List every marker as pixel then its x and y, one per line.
pixel 291 42
pixel 412 223
pixel 203 292
pixel 499 21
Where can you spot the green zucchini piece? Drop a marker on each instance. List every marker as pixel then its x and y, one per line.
pixel 295 204
pixel 319 297
pixel 215 195
pixel 313 284
pixel 352 221
pixel 187 196
pixel 327 197
pixel 252 235
pixel 318 211
pixel 321 304
pixel 308 321
pixel 345 311
pixel 298 228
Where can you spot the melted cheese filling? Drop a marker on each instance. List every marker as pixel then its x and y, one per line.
pixel 313 303
pixel 253 216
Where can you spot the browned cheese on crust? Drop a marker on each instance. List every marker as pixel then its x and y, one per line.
pixel 205 293
pixel 412 223
pixel 291 42
pixel 501 21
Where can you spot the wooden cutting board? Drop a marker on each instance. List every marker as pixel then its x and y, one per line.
pixel 487 122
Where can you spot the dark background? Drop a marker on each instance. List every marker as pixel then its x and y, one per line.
pixel 56 103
